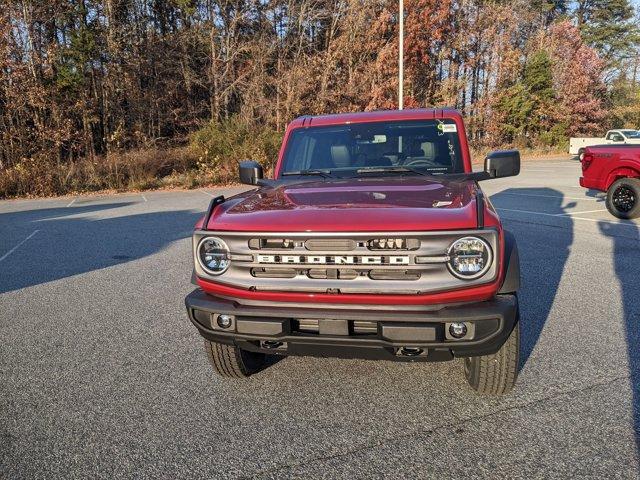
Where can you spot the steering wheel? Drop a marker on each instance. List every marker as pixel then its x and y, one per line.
pixel 419 162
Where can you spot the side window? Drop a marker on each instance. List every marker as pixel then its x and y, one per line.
pixel 610 135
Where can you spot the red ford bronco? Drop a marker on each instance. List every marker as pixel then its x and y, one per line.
pixel 373 240
pixel 614 169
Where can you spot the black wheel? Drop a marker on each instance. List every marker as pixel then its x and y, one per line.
pixel 495 374
pixel 232 362
pixel 623 198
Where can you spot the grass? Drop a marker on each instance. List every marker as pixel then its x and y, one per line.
pixel 137 170
pixel 526 154
pixel 209 157
pixel 145 169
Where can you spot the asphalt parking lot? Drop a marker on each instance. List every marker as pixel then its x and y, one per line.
pixel 102 374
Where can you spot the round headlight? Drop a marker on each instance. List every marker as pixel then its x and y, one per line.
pixel 213 255
pixel 469 258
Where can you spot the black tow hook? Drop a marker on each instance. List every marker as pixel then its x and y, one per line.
pixel 410 351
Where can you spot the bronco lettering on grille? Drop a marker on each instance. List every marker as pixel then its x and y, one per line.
pixel 335 259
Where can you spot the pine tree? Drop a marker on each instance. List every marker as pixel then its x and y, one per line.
pixel 538 77
pixel 528 108
pixel 609 27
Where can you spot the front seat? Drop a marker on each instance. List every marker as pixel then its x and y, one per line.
pixel 340 156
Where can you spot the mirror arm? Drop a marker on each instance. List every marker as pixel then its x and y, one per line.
pixel 267 182
pixel 479 176
pixel 475 176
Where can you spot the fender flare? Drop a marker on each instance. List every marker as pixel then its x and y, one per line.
pixel 511 282
pixel 621 171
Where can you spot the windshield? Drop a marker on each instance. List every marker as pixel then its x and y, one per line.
pixel 421 147
pixel 631 133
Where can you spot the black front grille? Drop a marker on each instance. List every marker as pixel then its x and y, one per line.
pixel 356 327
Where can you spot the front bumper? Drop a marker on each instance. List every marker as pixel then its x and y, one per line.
pixel 403 336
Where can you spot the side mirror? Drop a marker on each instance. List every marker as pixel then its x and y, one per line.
pixel 250 172
pixel 502 163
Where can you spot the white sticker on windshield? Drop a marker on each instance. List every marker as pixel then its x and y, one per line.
pixel 447 127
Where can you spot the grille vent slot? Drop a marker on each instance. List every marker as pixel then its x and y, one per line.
pixel 357 327
pixel 378 244
pixel 393 275
pixel 332 273
pixel 272 243
pixel 364 326
pixel 308 325
pixel 273 272
pixel 333 244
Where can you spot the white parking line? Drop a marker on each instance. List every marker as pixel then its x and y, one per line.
pixel 72 202
pixel 18 245
pixel 527 211
pixel 526 184
pixel 557 164
pixel 591 199
pixel 549 165
pixel 563 215
pixel 207 193
pixel 586 211
pixel 143 197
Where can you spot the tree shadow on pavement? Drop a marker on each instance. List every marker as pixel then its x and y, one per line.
pixel 544 244
pixel 72 241
pixel 626 261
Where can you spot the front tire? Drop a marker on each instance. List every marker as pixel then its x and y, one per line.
pixel 496 374
pixel 230 361
pixel 623 198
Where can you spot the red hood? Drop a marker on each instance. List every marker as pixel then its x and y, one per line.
pixel 373 204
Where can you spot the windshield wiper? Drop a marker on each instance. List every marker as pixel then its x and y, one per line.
pixel 321 172
pixel 398 169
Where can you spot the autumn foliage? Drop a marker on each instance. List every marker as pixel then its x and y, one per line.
pixel 143 93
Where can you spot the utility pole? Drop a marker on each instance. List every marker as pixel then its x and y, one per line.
pixel 401 56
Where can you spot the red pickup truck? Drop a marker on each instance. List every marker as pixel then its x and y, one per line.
pixel 614 169
pixel 373 240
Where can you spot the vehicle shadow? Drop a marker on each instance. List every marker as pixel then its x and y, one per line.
pixel 69 241
pixel 544 250
pixel 597 194
pixel 626 262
